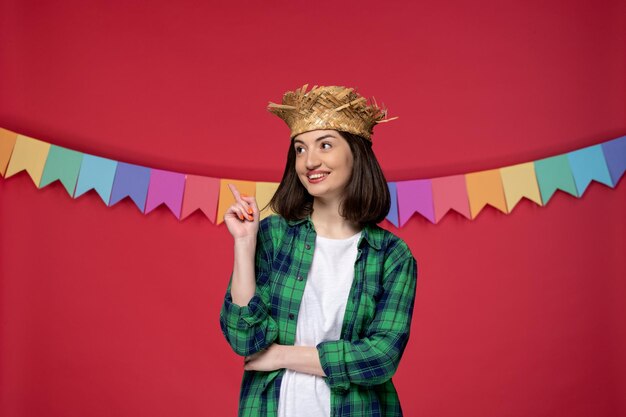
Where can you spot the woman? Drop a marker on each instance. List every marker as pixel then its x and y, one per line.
pixel 321 298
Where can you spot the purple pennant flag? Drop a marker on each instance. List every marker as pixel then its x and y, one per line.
pixel 392 216
pixel 132 181
pixel 415 196
pixel 615 156
pixel 166 187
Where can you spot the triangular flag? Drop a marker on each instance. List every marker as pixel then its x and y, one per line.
pixel 130 181
pixel 392 216
pixel 264 193
pixel 166 187
pixel 226 196
pixel 64 165
pixel 615 156
pixel 7 143
pixel 201 193
pixel 28 154
pixel 554 174
pixel 485 187
pixel 450 193
pixel 588 164
pixel 520 181
pixel 415 196
pixel 96 173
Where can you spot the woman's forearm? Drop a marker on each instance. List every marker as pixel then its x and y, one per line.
pixel 243 283
pixel 302 359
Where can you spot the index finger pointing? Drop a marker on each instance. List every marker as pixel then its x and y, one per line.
pixel 233 189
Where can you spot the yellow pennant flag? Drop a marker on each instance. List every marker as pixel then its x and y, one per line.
pixel 520 181
pixel 264 193
pixel 28 154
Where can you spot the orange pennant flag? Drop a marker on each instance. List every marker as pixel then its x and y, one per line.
pixel 226 196
pixel 7 143
pixel 485 187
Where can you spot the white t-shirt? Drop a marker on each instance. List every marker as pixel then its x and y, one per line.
pixel 320 318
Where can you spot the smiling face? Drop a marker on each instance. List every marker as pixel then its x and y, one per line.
pixel 323 152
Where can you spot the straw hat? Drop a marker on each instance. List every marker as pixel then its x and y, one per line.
pixel 329 107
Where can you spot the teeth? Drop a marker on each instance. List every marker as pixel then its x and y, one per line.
pixel 315 176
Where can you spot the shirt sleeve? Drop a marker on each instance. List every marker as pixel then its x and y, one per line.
pixel 374 359
pixel 250 328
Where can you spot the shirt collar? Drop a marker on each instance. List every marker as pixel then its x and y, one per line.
pixel 371 233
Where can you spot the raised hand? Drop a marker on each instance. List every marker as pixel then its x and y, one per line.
pixel 242 218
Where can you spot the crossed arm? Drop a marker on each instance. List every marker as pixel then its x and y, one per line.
pixel 302 359
pixel 368 361
pixel 298 358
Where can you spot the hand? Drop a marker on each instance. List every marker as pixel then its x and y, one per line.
pixel 268 359
pixel 242 218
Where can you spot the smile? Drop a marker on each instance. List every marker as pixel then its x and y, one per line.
pixel 315 178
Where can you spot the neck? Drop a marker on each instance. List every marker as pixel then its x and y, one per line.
pixel 329 223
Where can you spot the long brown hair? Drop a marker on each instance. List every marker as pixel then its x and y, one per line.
pixel 366 199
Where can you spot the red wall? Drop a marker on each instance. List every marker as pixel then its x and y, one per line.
pixel 105 311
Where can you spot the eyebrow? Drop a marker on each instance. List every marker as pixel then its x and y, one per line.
pixel 316 140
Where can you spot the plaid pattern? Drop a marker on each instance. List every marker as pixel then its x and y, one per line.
pixel 375 330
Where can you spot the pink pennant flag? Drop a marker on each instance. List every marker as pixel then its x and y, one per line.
pixel 165 187
pixel 450 193
pixel 414 196
pixel 201 193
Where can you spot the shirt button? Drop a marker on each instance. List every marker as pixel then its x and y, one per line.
pixel 291 316
pixel 300 278
pixel 307 246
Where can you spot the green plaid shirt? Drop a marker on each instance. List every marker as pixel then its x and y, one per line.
pixel 375 329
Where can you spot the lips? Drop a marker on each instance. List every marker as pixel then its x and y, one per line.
pixel 309 173
pixel 319 179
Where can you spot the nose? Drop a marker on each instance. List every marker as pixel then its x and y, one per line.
pixel 312 160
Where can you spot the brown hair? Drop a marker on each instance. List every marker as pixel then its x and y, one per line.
pixel 366 199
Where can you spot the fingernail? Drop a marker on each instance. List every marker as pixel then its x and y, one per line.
pixel 240 216
pixel 250 218
pixel 243 195
pixel 249 210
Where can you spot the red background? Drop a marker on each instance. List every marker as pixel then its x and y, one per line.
pixel 105 311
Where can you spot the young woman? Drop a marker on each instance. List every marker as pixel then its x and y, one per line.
pixel 320 300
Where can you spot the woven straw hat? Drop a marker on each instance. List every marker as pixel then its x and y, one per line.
pixel 329 107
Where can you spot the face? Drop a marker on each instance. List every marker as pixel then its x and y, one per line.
pixel 325 152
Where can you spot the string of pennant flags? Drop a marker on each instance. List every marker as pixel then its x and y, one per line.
pixel 432 198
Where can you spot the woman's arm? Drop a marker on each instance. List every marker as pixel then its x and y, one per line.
pixel 301 359
pixel 243 285
pixel 374 359
pixel 244 317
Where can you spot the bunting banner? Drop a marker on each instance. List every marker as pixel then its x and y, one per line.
pixel 467 194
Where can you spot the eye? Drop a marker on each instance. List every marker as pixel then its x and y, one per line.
pixel 326 143
pixel 298 149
